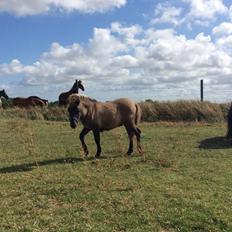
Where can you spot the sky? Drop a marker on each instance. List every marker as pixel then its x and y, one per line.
pixel 141 49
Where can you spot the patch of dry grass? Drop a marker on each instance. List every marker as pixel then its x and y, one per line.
pixel 153 111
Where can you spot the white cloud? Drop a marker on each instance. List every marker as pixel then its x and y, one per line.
pixel 225 42
pixel 166 13
pixel 193 12
pixel 108 60
pixel 13 67
pixel 204 11
pixel 224 28
pixel 31 7
pixel 128 34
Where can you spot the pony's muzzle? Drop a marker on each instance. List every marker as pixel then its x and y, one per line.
pixel 73 123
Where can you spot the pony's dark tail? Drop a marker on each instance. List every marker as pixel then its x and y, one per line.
pixel 138 114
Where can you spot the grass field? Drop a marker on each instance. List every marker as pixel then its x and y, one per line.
pixel 185 183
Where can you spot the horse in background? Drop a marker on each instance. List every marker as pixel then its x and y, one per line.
pixel 45 101
pixel 29 102
pixel 63 97
pixel 101 116
pixel 4 95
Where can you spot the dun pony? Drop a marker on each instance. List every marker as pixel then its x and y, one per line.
pixel 63 98
pixel 98 116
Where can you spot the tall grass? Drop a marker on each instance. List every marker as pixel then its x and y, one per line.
pixel 183 111
pixel 37 113
pixel 153 111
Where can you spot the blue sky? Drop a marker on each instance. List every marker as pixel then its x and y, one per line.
pixel 132 48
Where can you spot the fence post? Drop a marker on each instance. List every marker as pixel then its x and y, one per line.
pixel 202 91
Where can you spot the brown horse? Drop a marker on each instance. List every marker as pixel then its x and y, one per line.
pixel 27 102
pixel 63 98
pixel 45 101
pixel 98 116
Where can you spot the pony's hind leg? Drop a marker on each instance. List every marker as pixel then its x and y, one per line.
pixel 137 132
pixel 96 134
pixel 130 149
pixel 130 136
pixel 83 133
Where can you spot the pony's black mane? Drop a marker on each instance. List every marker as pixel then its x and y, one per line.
pixel 75 87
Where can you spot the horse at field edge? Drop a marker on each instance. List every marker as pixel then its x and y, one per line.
pixel 28 102
pixel 45 101
pixel 101 116
pixel 4 95
pixel 63 97
pixel 31 101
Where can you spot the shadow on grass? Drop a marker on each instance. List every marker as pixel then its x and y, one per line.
pixel 215 143
pixel 30 166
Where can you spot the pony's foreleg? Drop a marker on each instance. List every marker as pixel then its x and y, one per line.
pixel 96 134
pixel 84 132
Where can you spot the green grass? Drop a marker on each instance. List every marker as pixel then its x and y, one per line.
pixel 185 183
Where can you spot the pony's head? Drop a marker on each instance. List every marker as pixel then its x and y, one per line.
pixel 3 94
pixel 76 86
pixel 80 85
pixel 73 109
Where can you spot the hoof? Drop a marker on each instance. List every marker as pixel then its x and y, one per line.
pixel 98 154
pixel 86 153
pixel 129 153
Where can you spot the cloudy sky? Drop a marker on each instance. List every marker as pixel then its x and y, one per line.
pixel 119 48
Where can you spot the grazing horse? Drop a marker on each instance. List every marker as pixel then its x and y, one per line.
pixel 3 94
pixel 98 116
pixel 229 124
pixel 63 98
pixel 45 101
pixel 27 102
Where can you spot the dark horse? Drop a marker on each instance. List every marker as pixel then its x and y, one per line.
pixel 98 116
pixel 63 98
pixel 3 94
pixel 229 124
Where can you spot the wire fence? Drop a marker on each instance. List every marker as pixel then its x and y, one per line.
pixel 212 94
